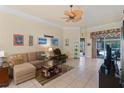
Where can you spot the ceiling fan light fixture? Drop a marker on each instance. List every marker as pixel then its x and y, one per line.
pixel 73 15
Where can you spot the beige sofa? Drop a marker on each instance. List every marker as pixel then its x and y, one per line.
pixel 23 72
pixel 24 65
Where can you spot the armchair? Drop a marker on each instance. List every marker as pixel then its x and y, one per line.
pixel 58 56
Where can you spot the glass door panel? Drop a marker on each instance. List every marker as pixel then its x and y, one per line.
pixel 100 47
pixel 115 47
pixel 114 43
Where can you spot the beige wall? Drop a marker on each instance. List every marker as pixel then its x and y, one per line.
pixel 10 24
pixel 86 34
pixel 73 35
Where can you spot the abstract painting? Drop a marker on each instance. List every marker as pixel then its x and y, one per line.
pixel 42 41
pixel 18 40
pixel 55 41
pixel 30 40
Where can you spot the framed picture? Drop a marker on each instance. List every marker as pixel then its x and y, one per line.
pixel 66 42
pixel 30 40
pixel 88 44
pixel 18 40
pixel 54 41
pixel 42 41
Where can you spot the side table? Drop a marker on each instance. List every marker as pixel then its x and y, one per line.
pixel 4 74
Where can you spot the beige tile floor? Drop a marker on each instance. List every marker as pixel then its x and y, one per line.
pixel 84 75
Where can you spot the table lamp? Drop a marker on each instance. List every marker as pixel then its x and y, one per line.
pixel 1 56
pixel 50 51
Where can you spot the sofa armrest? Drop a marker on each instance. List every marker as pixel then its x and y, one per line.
pixel 11 64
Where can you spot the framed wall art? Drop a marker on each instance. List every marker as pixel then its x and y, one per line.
pixel 88 44
pixel 54 41
pixel 30 40
pixel 18 40
pixel 66 42
pixel 42 41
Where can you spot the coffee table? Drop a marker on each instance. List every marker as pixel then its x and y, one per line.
pixel 50 69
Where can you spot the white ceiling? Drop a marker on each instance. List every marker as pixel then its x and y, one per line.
pixel 92 15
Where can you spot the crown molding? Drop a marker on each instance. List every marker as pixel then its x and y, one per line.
pixel 18 13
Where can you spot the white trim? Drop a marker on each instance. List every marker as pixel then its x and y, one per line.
pixel 27 16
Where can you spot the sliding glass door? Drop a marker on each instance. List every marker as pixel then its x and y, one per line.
pixel 115 46
pixel 101 47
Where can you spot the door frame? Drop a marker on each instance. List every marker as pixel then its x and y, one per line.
pixel 83 39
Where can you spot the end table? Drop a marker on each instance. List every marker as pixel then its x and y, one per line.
pixel 4 74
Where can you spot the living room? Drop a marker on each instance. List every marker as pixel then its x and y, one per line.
pixel 29 39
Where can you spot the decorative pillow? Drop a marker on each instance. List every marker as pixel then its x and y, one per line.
pixel 17 59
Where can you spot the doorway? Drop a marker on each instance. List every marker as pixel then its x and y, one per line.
pixel 82 47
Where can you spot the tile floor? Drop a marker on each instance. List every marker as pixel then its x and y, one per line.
pixel 84 75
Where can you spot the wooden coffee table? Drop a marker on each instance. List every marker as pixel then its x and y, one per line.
pixel 50 69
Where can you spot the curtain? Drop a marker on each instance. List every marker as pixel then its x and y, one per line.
pixel 106 33
pixel 103 34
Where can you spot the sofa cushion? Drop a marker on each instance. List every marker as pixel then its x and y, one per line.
pixel 18 58
pixel 32 56
pixel 25 57
pixel 23 72
pixel 23 69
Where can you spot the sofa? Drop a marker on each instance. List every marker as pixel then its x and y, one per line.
pixel 24 65
pixel 23 72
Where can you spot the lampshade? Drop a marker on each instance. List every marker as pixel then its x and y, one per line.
pixel 50 49
pixel 2 53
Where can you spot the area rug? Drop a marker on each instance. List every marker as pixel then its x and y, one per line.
pixel 42 80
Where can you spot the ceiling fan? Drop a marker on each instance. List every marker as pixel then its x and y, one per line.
pixel 72 15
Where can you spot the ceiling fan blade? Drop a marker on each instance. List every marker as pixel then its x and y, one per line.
pixel 78 12
pixel 69 13
pixel 72 15
pixel 66 13
pixel 68 20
